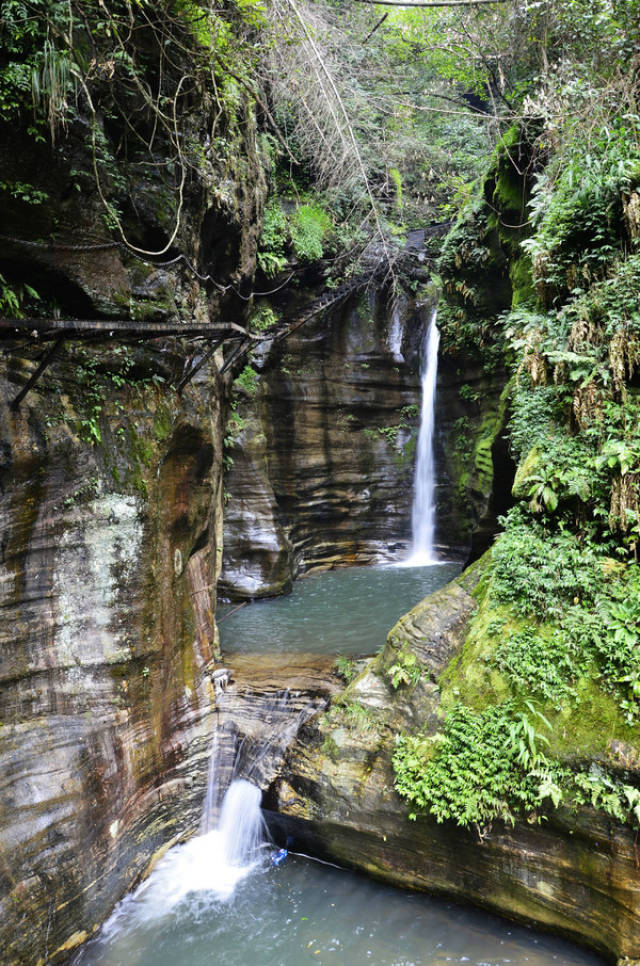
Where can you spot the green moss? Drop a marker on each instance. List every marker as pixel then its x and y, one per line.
pixel 522 285
pixel 468 678
pixel 330 749
pixel 162 424
pixel 508 195
pixel 582 729
pixel 526 471
pixel 586 730
pixel 472 464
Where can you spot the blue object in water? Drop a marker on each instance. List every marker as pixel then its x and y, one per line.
pixel 279 857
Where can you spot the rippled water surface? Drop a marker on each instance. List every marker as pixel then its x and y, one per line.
pixel 307 912
pixel 346 611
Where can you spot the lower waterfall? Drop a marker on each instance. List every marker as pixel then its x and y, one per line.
pixel 224 898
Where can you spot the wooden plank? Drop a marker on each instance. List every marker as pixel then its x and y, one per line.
pixel 186 379
pixel 118 329
pixel 48 358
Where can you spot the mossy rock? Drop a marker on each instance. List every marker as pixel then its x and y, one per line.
pixel 526 473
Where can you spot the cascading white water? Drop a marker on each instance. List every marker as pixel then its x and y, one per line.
pixel 208 867
pixel 423 512
pixel 394 339
pixel 242 830
pixel 210 807
pixel 210 864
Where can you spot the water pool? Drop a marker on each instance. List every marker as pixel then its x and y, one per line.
pixel 347 611
pixel 308 912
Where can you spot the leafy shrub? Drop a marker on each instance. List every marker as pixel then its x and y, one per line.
pixel 346 669
pixel 610 633
pixel 263 317
pixel 485 765
pixel 576 207
pixel 404 670
pixel 535 416
pixel 490 765
pixel 541 573
pixel 539 664
pixel 309 226
pixel 271 246
pixel 14 298
pixel 247 381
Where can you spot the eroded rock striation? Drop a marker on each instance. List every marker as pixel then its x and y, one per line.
pixel 107 638
pixel 111 498
pixel 322 463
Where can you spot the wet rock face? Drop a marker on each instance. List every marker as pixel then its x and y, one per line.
pixel 475 470
pixel 322 470
pixel 107 561
pixel 322 466
pixel 575 874
pixel 266 701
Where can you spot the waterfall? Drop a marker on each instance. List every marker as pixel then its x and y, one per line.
pixel 423 512
pixel 252 731
pixel 242 830
pixel 209 866
pixel 394 338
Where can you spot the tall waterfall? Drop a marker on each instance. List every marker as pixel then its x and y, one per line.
pixel 423 513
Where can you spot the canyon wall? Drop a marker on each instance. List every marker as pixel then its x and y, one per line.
pixel 108 554
pixel 111 499
pixel 321 463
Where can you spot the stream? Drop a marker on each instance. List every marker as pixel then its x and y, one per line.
pixel 220 900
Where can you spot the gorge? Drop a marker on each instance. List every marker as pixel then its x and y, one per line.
pixel 232 425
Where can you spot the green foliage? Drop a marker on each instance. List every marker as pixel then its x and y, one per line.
pixel 541 573
pixel 540 662
pixel 52 84
pixel 33 70
pixel 599 790
pixel 308 227
pixel 536 412
pixel 346 668
pixel 568 612
pixel 466 262
pixel 15 297
pixel 263 318
pixel 483 766
pixel 468 394
pixel 586 610
pixel 576 207
pixel 396 177
pixel 462 441
pixel 301 234
pixel 611 634
pixel 247 381
pixel 354 715
pixel 271 247
pixel 608 308
pixel 408 413
pixel 404 670
pixel 25 192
